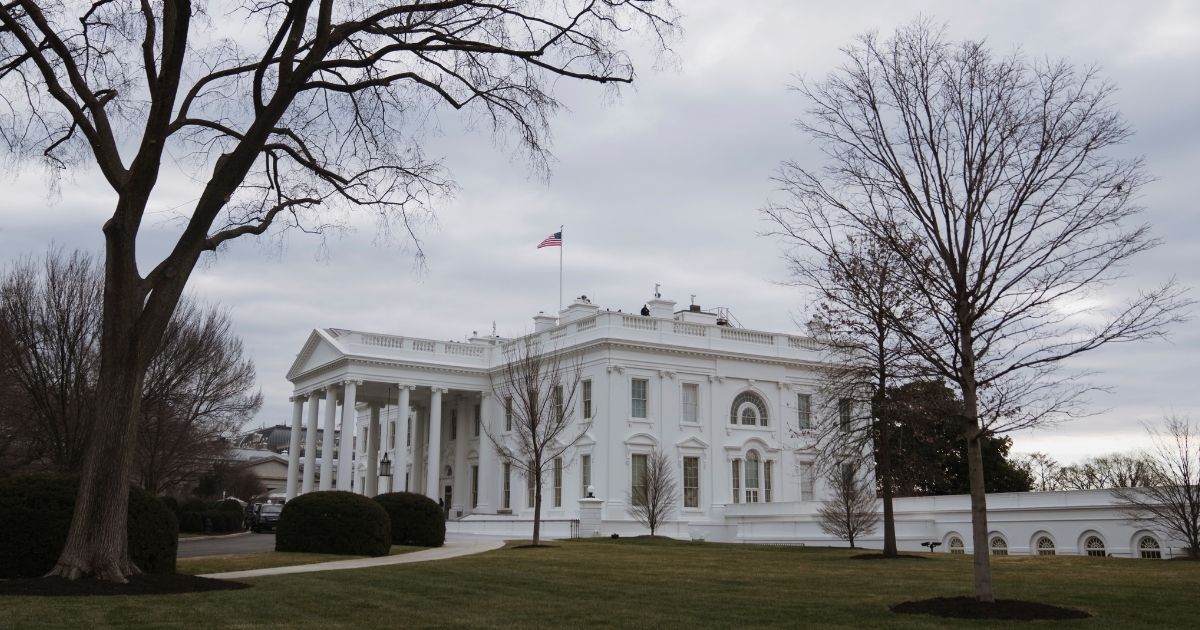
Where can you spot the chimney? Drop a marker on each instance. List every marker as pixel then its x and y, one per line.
pixel 660 307
pixel 542 321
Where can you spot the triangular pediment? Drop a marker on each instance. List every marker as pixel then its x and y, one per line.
pixel 319 350
pixel 692 442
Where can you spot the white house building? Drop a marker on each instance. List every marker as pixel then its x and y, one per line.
pixel 730 406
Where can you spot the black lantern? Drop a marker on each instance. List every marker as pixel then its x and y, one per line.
pixel 385 466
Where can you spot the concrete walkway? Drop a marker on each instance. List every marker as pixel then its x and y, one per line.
pixel 452 549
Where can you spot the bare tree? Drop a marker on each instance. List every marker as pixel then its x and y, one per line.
pixel 199 392
pixel 1172 503
pixel 999 170
pixel 850 511
pixel 655 492
pixel 1042 468
pixel 539 390
pixel 1116 470
pixel 861 297
pixel 305 111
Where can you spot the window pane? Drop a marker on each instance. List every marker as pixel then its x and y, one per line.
pixel 749 408
pixel 844 414
pixel 558 403
pixel 804 410
pixel 587 399
pixel 507 486
pixel 638 398
pixel 737 481
pixel 690 402
pixel 530 497
pixel 586 465
pixel 508 413
pixel 767 482
pixel 807 482
pixel 477 418
pixel 638 489
pixel 691 482
pixel 474 486
pixel 752 477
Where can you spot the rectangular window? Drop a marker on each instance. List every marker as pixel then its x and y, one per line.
pixel 474 486
pixel 585 464
pixel 507 486
pixel 637 397
pixel 558 476
pixel 508 413
pixel 807 482
pixel 691 482
pixel 530 496
pixel 737 481
pixel 690 403
pixel 752 479
pixel 638 486
pixel 453 424
pixel 408 435
pixel 478 413
pixel 558 404
pixel 844 414
pixel 767 481
pixel 587 400
pixel 804 411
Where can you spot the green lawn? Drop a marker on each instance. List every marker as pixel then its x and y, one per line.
pixel 264 560
pixel 646 584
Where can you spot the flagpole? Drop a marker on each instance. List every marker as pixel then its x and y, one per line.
pixel 560 260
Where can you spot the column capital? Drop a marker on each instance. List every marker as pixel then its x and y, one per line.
pixel 485 394
pixel 405 386
pixel 440 390
pixel 351 381
pixel 292 399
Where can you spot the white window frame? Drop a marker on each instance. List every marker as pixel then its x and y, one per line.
pixel 507 494
pixel 558 482
pixel 645 400
pixel 633 467
pixel 587 399
pixel 585 473
pixel 684 477
pixel 808 481
pixel 736 479
pixel 689 414
pixel 804 411
pixel 508 414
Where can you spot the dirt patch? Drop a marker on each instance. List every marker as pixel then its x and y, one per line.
pixel 879 556
pixel 534 547
pixel 144 584
pixel 969 608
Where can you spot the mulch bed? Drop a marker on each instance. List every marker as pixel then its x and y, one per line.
pixel 144 584
pixel 969 608
pixel 879 556
pixel 541 546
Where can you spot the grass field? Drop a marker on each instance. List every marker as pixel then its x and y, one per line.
pixel 647 584
pixel 264 559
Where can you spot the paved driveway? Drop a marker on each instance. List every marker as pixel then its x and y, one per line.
pixel 245 543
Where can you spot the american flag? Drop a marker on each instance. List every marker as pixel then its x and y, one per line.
pixel 554 240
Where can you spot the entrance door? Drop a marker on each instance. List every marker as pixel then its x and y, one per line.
pixel 446 496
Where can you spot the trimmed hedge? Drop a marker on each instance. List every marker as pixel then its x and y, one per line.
pixel 35 515
pixel 416 519
pixel 210 522
pixel 230 505
pixel 334 522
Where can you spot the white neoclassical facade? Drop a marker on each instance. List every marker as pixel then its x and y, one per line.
pixel 728 405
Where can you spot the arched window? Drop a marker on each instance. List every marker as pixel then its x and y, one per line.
pixel 1093 546
pixel 956 545
pixel 1045 546
pixel 752 477
pixel 748 408
pixel 1148 548
pixel 999 546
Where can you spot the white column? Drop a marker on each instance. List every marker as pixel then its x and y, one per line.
pixel 420 422
pixel 400 450
pixel 310 442
pixel 462 476
pixel 345 473
pixel 372 488
pixel 294 447
pixel 386 428
pixel 489 471
pixel 327 438
pixel 433 465
pixel 359 479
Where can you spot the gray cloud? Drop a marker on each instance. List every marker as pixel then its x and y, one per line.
pixel 662 184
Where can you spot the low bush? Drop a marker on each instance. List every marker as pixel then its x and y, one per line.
pixel 35 515
pixel 416 519
pixel 172 504
pixel 334 522
pixel 231 505
pixel 193 505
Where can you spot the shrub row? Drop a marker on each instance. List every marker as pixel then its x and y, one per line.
pixel 347 523
pixel 210 521
pixel 35 515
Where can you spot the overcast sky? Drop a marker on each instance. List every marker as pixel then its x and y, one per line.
pixel 663 185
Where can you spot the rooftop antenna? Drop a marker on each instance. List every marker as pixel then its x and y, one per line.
pixel 693 298
pixel 656 293
pixel 493 328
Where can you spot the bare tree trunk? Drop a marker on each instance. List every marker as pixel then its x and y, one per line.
pixel 537 505
pixel 886 490
pixel 979 522
pixel 97 542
